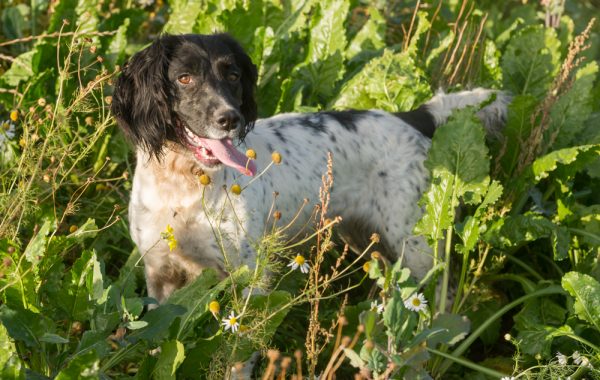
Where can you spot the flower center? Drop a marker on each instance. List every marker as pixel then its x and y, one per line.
pixel 232 321
pixel 299 260
pixel 416 302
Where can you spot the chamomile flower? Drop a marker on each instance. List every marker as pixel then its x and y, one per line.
pixel 508 378
pixel 562 359
pixel 416 302
pixel 577 358
pixel 299 262
pixel 231 322
pixel 378 307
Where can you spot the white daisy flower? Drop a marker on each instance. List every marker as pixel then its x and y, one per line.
pixel 585 362
pixel 508 378
pixel 577 357
pixel 562 359
pixel 299 262
pixel 231 322
pixel 416 302
pixel 378 307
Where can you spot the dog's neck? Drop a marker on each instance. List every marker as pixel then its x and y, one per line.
pixel 176 159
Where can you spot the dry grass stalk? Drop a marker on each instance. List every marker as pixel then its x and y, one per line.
pixel 313 346
pixel 534 145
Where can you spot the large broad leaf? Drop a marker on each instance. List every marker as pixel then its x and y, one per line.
pixel 183 16
pixel 516 132
pixel 454 329
pixel 392 82
pixel 23 325
pixel 569 113
pixel 531 61
pixel 585 289
pixel 324 65
pixel 171 356
pixel 196 296
pixel 158 321
pixel 369 39
pixel 36 248
pixel 536 324
pixel 459 165
pixel 513 231
pixel 83 367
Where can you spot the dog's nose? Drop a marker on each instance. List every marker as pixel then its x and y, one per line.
pixel 227 119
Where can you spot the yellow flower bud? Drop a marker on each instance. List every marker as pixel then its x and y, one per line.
pixel 276 157
pixel 204 180
pixel 214 307
pixel 236 189
pixel 73 228
pixel 251 154
pixel 14 115
pixel 367 266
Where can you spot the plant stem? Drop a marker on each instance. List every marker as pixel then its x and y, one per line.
pixel 553 289
pixel 446 274
pixel 468 363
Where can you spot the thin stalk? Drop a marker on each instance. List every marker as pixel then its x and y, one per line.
pixel 553 289
pixel 446 273
pixel 468 364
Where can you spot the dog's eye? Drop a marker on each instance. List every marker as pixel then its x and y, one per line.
pixel 233 76
pixel 185 79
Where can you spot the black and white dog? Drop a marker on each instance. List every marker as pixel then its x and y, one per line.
pixel 187 104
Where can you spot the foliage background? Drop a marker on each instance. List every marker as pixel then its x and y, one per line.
pixel 526 243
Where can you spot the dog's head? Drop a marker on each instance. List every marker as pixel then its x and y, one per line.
pixel 194 90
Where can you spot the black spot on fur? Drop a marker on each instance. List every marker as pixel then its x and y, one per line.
pixel 347 119
pixel 382 173
pixel 420 119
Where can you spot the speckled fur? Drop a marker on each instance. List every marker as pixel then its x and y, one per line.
pixel 378 179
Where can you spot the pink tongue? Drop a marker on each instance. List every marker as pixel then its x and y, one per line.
pixel 228 155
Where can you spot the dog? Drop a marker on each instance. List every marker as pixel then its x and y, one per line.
pixel 187 105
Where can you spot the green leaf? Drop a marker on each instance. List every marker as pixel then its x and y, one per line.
pixel 516 132
pixel 576 158
pixel 585 289
pixel 512 231
pixel 196 296
pixel 10 365
pixel 23 325
pixel 570 112
pixel 171 356
pixel 459 165
pixel 398 320
pixel 370 38
pixel 82 286
pixel 183 15
pixel 36 249
pixel 53 338
pixel 86 366
pixel 21 69
pixel 392 82
pixel 531 61
pixel 355 360
pixel 469 230
pixel 455 328
pixel 159 320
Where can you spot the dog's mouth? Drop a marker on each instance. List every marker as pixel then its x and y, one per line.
pixel 214 152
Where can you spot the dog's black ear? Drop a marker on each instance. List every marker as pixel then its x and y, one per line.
pixel 248 80
pixel 143 96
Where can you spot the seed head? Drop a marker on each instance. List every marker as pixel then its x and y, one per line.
pixel 204 180
pixel 375 238
pixel 277 215
pixel 375 255
pixel 276 157
pixel 236 189
pixel 251 154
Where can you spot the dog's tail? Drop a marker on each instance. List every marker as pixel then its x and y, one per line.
pixel 436 111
